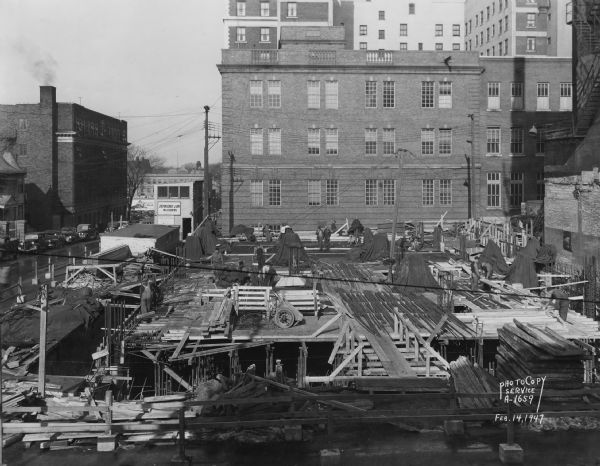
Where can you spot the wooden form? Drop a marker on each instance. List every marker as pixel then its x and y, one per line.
pixel 109 270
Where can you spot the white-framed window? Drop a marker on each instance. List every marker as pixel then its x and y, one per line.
pixel 256 94
pixel 516 189
pixel 23 124
pixel 292 9
pixel 274 93
pixel 566 97
pixel 540 187
pixel 403 46
pixel 314 94
pixel 445 94
pixel 370 192
pixel 493 140
pixel 274 141
pixel 403 29
pixel 382 34
pixel 516 96
pixel 530 44
pixel 371 141
pixel 256 141
pixel 531 17
pixel 389 141
pixel 331 141
pixel 241 34
pixel 445 141
pixel 241 8
pixel 516 140
pixel 332 192
pixel 427 141
pixel 439 46
pixel 389 192
pixel 456 46
pixel 500 26
pixel 427 94
pixel 456 30
pixel 540 142
pixel 265 35
pixel 275 193
pixel 314 141
pixel 256 193
pixel 362 46
pixel 389 94
pixel 362 30
pixel 264 9
pixel 427 192
pixel 331 94
pixel 543 96
pixel 446 192
pixel 381 15
pixel 493 96
pixel 493 189
pixel 439 30
pixel 314 192
pixel 371 94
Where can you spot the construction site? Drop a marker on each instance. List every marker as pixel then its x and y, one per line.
pixel 280 339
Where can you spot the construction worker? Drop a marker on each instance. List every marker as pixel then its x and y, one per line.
pixel 558 299
pixel 320 237
pixel 146 296
pixel 326 238
pixel 267 233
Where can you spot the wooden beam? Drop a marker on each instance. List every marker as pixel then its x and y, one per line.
pixel 325 326
pixel 149 355
pixel 180 380
pixel 345 362
pixel 437 328
pixel 180 346
pixel 425 344
pixel 338 342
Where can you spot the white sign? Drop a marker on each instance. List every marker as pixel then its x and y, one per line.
pixel 169 208
pixel 143 204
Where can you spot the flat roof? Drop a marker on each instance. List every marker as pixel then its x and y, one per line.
pixel 141 230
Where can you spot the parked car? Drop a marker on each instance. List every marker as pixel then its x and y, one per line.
pixel 70 234
pixel 8 248
pixel 33 242
pixel 87 231
pixel 55 239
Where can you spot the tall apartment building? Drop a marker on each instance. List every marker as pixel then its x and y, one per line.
pixel 517 27
pixel 75 159
pixel 409 24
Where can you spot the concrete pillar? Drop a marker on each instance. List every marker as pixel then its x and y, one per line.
pixel 511 453
pixel 107 442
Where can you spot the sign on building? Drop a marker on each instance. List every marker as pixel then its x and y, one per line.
pixel 169 208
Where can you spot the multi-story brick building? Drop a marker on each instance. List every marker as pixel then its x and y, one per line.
pixel 12 195
pixel 517 27
pixel 75 158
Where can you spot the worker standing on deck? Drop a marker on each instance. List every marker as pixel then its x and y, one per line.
pixel 320 236
pixel 560 301
pixel 326 238
pixel 146 297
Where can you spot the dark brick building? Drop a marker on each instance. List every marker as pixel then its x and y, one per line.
pixel 75 158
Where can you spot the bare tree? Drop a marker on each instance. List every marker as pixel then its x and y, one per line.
pixel 139 163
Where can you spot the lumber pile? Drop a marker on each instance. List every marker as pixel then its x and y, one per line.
pixel 525 350
pixel 468 378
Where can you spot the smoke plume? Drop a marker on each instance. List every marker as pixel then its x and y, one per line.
pixel 39 63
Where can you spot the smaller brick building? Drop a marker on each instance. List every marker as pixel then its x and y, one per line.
pixel 12 197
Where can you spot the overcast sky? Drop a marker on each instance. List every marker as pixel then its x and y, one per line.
pixel 133 58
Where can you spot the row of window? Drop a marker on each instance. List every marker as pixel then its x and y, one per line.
pixel 438 31
pixel 404 46
pixel 490 11
pixel 515 189
pixel 265 34
pixel 517 137
pixel 502 26
pixel 173 192
pixel 265 10
pixel 517 96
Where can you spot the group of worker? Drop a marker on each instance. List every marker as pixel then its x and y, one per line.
pixel 323 237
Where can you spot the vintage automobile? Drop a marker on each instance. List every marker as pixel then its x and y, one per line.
pixel 70 234
pixel 55 239
pixel 87 231
pixel 34 242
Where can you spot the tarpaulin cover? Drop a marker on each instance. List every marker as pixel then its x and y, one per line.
pixel 523 268
pixel 193 249
pixel 546 254
pixel 413 271
pixel 356 228
pixel 207 234
pixel 374 247
pixel 286 241
pixel 492 255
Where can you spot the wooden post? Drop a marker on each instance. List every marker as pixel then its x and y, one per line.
pixel 510 426
pixel 109 403
pixel 1 405
pixel 35 280
pixel 43 325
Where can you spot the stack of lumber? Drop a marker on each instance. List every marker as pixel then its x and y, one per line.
pixel 303 300
pixel 468 378
pixel 525 350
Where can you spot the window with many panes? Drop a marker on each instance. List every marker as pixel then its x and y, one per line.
pixel 516 140
pixel 256 193
pixel 274 192
pixel 292 9
pixel 362 30
pixel 493 96
pixel 403 29
pixel 445 141
pixel 516 96
pixel 371 94
pixel 389 192
pixel 543 93
pixel 274 141
pixel 389 141
pixel 403 46
pixel 456 30
pixel 314 141
pixel 516 189
pixel 241 34
pixel 241 8
pixel 256 141
pixel 530 44
pixel 256 94
pixel 314 94
pixel 381 15
pixel 540 142
pixel 389 94
pixel 314 192
pixel 363 46
pixel 371 141
pixel 382 33
pixel 445 192
pixel 540 190
pixel 411 8
pixel 264 9
pixel 427 141
pixel 493 189
pixel 566 97
pixel 332 193
pixel 274 94
pixel 439 30
pixel 331 94
pixel 531 20
pixel 493 140
pixel 331 141
pixel 370 192
pixel 265 35
pixel 445 94
pixel 427 192
pixel 427 94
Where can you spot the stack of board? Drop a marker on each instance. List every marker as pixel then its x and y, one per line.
pixel 525 350
pixel 468 378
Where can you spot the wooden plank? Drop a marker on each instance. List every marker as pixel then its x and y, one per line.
pixel 180 380
pixel 345 362
pixel 180 346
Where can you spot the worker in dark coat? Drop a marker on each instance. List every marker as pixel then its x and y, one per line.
pixel 146 297
pixel 326 238
pixel 560 301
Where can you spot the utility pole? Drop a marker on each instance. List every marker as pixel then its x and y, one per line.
pixel 399 153
pixel 231 188
pixel 205 204
pixel 469 164
pixel 42 358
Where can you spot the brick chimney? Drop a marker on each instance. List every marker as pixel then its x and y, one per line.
pixel 47 95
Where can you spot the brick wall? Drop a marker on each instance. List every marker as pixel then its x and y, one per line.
pixel 306 11
pixel 253 37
